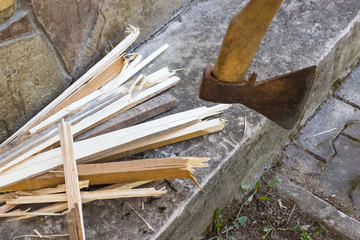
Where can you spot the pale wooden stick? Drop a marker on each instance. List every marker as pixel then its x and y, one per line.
pixel 96 82
pixel 7 207
pixel 86 196
pixel 122 79
pixel 147 224
pixel 74 216
pixel 23 213
pixel 60 188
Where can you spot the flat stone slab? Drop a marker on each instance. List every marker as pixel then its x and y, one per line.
pixel 344 167
pixel 302 162
pixel 353 130
pixel 318 208
pixel 350 89
pixel 300 35
pixel 318 135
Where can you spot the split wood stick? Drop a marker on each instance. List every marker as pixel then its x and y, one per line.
pixel 42 190
pixel 118 172
pixel 38 166
pixel 99 80
pixel 23 213
pixel 98 117
pixel 87 196
pixel 193 131
pixel 58 207
pixel 74 216
pixel 97 95
pixel 7 207
pixel 118 81
pixel 140 113
pixel 97 68
pixel 104 114
pixel 60 188
pixel 61 111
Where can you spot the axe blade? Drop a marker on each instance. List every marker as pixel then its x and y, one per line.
pixel 281 99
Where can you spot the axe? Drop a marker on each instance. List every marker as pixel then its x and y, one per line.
pixel 280 99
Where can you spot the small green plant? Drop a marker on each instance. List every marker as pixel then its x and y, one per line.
pixel 257 187
pixel 218 226
pixel 296 228
pixel 267 230
pixel 305 236
pixel 237 223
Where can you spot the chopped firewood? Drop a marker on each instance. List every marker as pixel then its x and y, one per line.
pixel 119 172
pixel 96 69
pixel 74 216
pixel 104 145
pixel 87 196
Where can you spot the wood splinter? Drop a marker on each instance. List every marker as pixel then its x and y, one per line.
pixel 74 216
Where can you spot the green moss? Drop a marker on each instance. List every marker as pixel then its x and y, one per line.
pixel 357 140
pixel 354 183
pixel 352 67
pixel 337 84
pixel 298 125
pixel 320 145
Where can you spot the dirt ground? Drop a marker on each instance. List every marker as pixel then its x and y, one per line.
pixel 268 216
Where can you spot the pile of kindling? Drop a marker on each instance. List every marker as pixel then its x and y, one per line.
pixel 102 111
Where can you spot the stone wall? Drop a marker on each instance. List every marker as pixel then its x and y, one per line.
pixel 47 44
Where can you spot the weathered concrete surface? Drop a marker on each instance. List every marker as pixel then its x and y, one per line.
pixel 238 153
pixel 111 21
pixel 23 93
pixel 66 22
pixel 318 208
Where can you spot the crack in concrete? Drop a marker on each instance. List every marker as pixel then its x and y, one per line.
pixel 314 155
pixel 102 28
pixel 346 101
pixel 175 16
pixel 88 30
pixel 39 29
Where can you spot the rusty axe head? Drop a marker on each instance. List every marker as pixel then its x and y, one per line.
pixel 282 98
